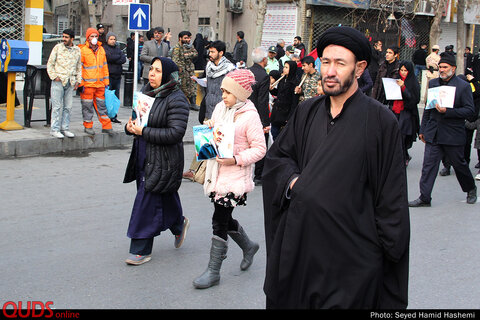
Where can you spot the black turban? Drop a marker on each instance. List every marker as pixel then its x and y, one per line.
pixel 448 58
pixel 347 37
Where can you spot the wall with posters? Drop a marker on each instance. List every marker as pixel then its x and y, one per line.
pixel 280 23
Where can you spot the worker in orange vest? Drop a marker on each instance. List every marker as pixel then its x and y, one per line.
pixel 95 78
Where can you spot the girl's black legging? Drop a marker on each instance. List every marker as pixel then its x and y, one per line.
pixel 222 221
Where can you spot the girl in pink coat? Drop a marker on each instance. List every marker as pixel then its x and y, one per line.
pixel 228 180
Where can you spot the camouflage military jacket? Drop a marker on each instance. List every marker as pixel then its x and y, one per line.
pixel 183 57
pixel 64 62
pixel 309 86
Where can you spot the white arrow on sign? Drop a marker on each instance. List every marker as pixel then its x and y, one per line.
pixel 139 14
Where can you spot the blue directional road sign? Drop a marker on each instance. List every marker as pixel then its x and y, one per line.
pixel 138 17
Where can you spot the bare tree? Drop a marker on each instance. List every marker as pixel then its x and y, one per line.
pixel 461 28
pixel 261 11
pixel 438 7
pixel 84 15
pixel 185 15
pixel 386 10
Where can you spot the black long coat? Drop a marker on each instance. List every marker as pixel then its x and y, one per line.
pixel 259 95
pixel 167 123
pixel 342 238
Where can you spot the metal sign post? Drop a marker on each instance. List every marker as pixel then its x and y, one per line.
pixel 138 20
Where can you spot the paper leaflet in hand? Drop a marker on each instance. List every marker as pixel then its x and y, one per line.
pixel 142 105
pixel 392 89
pixel 444 96
pixel 201 81
pixel 210 142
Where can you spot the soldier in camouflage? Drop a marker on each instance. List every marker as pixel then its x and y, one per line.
pixel 308 85
pixel 183 55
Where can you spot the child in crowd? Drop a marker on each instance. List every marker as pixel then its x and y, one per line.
pixel 228 180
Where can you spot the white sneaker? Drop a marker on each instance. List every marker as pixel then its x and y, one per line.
pixel 57 134
pixel 477 177
pixel 68 134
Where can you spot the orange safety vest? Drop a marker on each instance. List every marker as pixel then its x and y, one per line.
pixel 94 66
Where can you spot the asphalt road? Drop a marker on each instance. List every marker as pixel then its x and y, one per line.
pixel 63 239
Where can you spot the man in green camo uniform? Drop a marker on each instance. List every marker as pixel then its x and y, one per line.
pixel 183 55
pixel 309 82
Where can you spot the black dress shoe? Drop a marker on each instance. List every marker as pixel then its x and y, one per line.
pixel 472 196
pixel 444 172
pixel 115 120
pixel 418 203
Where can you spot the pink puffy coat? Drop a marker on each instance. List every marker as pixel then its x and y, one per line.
pixel 249 147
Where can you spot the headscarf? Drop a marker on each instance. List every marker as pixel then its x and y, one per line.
pixel 292 73
pixel 347 37
pixel 170 79
pixel 411 83
pixel 200 62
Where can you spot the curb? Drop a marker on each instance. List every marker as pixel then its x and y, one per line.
pixel 79 143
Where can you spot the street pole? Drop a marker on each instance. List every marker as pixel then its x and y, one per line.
pixel 135 61
pixel 135 64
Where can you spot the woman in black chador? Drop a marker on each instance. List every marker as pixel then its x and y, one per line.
pixel 406 110
pixel 287 100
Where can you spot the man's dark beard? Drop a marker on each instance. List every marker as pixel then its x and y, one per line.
pixel 343 87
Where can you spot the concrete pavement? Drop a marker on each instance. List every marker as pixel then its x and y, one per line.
pixel 36 140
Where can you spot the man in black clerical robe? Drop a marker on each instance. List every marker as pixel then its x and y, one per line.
pixel 339 238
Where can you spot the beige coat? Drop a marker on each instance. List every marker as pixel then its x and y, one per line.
pixel 432 60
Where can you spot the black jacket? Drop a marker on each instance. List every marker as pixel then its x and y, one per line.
pixel 419 57
pixel 167 123
pixel 259 95
pixel 115 59
pixel 386 70
pixel 375 61
pixel 449 127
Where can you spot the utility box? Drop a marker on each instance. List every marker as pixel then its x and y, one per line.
pixel 13 55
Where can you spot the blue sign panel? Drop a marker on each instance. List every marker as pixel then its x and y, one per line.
pixel 138 17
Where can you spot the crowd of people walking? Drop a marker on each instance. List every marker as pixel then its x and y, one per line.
pixel 316 130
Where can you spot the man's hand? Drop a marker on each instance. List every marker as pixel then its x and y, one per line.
pixel 421 137
pixel 293 183
pixel 440 109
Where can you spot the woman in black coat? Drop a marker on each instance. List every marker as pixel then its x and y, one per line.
pixel 406 109
pixel 286 101
pixel 156 163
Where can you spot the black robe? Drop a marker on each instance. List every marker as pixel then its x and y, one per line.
pixel 342 239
